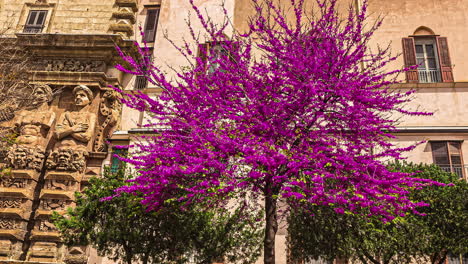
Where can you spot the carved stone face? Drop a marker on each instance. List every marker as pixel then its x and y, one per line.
pixel 64 158
pixel 20 159
pixel 81 98
pixel 37 161
pixel 39 96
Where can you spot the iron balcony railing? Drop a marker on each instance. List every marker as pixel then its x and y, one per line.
pixel 32 29
pixel 460 170
pixel 429 76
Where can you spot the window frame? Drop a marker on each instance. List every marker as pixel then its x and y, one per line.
pixel 444 67
pixel 208 48
pixel 151 37
pixel 449 156
pixel 30 28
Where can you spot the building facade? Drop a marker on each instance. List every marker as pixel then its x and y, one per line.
pixel 74 57
pixel 63 127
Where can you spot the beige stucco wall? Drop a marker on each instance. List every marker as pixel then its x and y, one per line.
pixel 447 18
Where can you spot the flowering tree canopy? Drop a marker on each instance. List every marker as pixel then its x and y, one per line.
pixel 298 110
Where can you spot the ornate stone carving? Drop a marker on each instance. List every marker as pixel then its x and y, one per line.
pixel 32 125
pixel 11 182
pixel 10 202
pixel 73 65
pixel 55 184
pixel 67 159
pixel 46 226
pixel 6 223
pixel 53 204
pixel 6 114
pixel 109 108
pixel 22 157
pixel 74 130
pixel 76 255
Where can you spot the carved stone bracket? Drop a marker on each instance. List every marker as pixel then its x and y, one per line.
pixel 71 65
pixel 109 108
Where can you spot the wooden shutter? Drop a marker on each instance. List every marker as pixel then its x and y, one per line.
pixel 409 55
pixel 444 59
pixel 151 24
pixel 203 52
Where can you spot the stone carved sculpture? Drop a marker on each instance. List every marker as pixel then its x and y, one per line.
pixel 10 182
pixel 67 159
pixel 73 65
pixel 46 226
pixel 6 223
pixel 53 204
pixel 32 125
pixel 24 157
pixel 9 203
pixel 109 108
pixel 74 130
pixel 62 185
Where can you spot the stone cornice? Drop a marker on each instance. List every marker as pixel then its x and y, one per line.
pixel 430 85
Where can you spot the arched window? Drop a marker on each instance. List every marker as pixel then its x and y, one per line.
pixel 430 52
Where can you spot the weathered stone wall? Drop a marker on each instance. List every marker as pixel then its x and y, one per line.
pixel 72 17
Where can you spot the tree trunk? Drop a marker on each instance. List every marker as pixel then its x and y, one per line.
pixel 271 227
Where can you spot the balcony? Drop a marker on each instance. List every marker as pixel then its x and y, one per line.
pixel 460 170
pixel 429 76
pixel 32 29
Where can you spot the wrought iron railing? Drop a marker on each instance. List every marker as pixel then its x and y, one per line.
pixel 141 83
pixel 429 76
pixel 32 29
pixel 460 170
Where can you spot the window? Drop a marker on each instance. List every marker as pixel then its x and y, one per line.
pixel 426 58
pixel 151 24
pixel 431 55
pixel 448 155
pixel 35 21
pixel 116 163
pixel 141 83
pixel 211 53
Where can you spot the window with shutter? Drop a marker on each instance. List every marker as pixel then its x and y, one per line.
pixel 444 59
pixel 448 155
pixel 35 21
pixel 409 55
pixel 151 24
pixel 431 55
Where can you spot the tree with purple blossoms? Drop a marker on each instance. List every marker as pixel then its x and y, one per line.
pixel 293 110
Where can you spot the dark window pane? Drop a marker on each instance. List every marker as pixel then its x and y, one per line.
pixel 419 50
pixel 440 154
pixel 430 50
pixel 41 18
pixel 455 147
pixel 432 64
pixel 421 64
pixel 32 18
pixel 456 160
pixel 116 163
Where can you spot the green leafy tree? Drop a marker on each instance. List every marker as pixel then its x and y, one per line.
pixel 319 232
pixel 123 229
